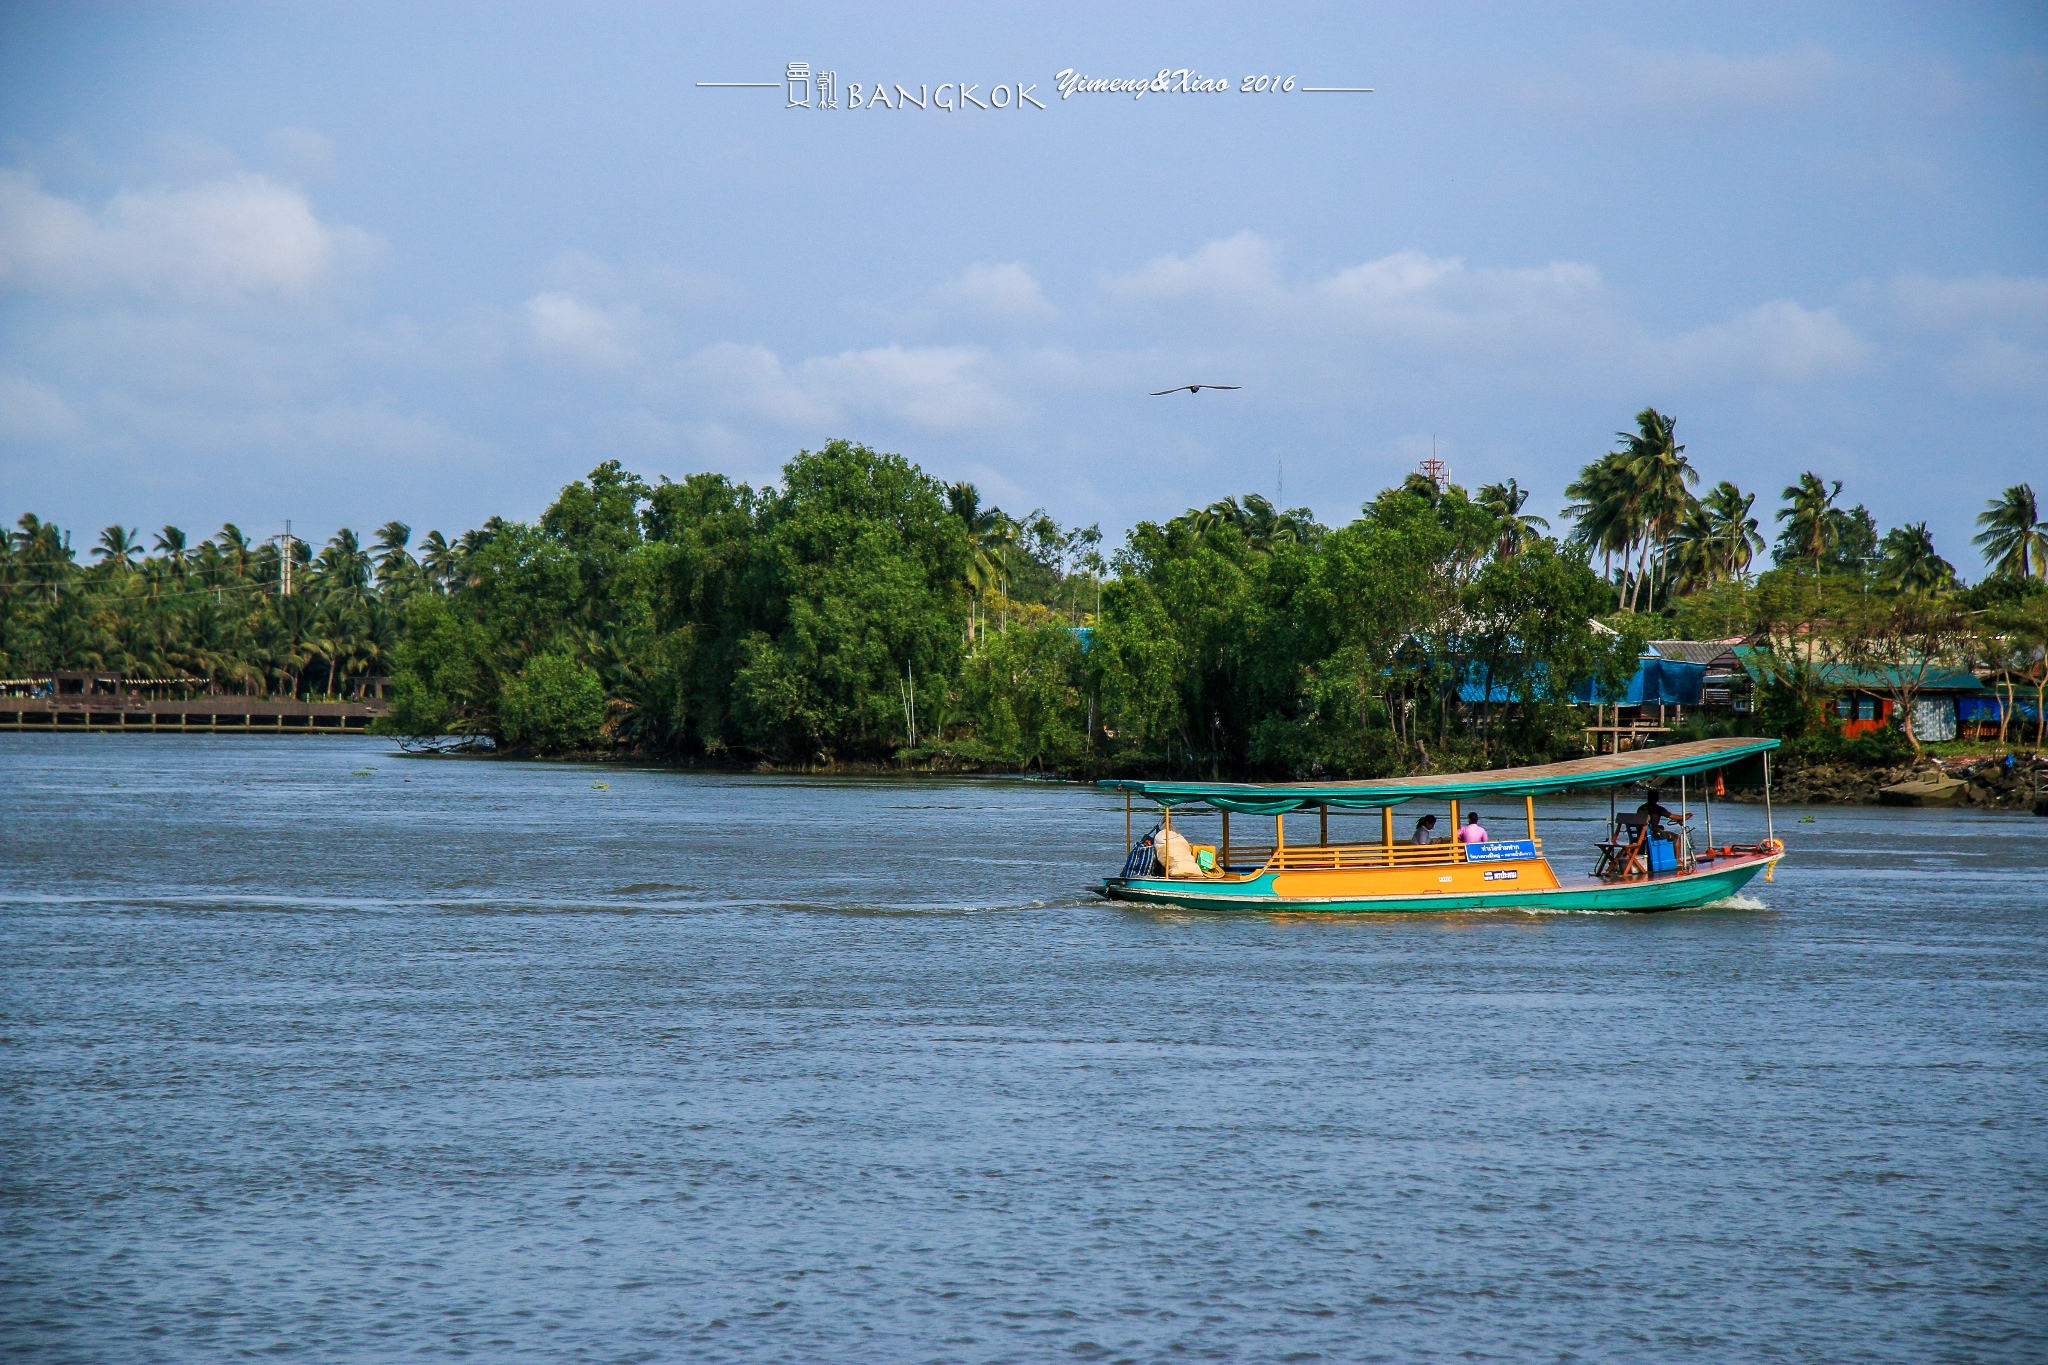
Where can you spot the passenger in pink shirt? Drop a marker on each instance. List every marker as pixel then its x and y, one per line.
pixel 1473 832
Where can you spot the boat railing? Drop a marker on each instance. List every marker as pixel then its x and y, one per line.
pixel 1340 857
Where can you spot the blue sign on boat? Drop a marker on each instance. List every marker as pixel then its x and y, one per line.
pixel 1499 850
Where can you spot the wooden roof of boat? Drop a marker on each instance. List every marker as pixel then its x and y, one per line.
pixel 1603 770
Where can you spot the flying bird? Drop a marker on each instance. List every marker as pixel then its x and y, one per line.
pixel 1195 388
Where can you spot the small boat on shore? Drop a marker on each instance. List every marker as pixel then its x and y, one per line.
pixel 1648 859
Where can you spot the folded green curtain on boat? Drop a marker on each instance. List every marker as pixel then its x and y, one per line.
pixel 1604 770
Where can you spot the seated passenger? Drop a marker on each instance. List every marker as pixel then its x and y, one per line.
pixel 1425 831
pixel 1473 832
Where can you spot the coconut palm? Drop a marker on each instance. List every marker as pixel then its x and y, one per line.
pixel 45 556
pixel 2014 538
pixel 1262 525
pixel 437 559
pixel 171 541
pixel 1422 486
pixel 118 546
pixel 1517 532
pixel 1661 474
pixel 990 534
pixel 1735 534
pixel 234 549
pixel 345 566
pixel 1809 527
pixel 395 565
pixel 1694 553
pixel 1604 512
pixel 1910 564
pixel 1632 499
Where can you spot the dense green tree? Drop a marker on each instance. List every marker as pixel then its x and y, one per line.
pixel 860 611
pixel 554 703
pixel 863 567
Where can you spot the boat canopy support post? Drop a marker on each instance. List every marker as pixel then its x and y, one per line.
pixel 1529 808
pixel 1163 854
pixel 1708 787
pixel 1326 823
pixel 1224 857
pixel 1454 829
pixel 1279 833
pixel 1127 822
pixel 1770 828
pixel 1387 830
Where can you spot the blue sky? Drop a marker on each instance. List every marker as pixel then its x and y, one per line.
pixel 349 263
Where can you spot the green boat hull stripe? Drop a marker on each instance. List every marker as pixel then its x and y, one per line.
pixel 1256 896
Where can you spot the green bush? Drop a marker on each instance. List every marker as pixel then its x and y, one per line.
pixel 554 704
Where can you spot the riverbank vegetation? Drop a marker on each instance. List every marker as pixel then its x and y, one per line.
pixel 862 612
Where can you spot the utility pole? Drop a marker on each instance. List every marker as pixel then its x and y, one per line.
pixel 284 562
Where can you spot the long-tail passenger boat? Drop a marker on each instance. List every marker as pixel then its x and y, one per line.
pixel 1648 859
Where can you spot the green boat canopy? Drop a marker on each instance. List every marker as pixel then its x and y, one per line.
pixel 1604 770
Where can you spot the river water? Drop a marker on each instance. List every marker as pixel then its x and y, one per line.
pixel 314 1051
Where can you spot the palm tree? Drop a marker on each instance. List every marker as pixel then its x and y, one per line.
pixel 1632 499
pixel 1261 524
pixel 2014 538
pixel 1422 486
pixel 118 546
pixel 1910 564
pixel 990 534
pixel 1809 527
pixel 172 542
pixel 1604 512
pixel 45 554
pixel 395 566
pixel 1735 530
pixel 345 566
pixel 1517 532
pixel 1695 550
pixel 437 558
pixel 234 548
pixel 1661 473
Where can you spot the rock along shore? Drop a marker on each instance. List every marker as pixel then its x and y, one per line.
pixel 2017 784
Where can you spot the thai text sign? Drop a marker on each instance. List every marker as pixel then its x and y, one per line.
pixel 1500 850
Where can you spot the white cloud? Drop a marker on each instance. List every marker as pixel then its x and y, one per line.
pixel 1232 266
pixel 301 152
pixel 1007 290
pixel 33 411
pixel 1779 340
pixel 1441 299
pixel 235 237
pixel 1981 301
pixel 1409 308
pixel 934 388
pixel 564 325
